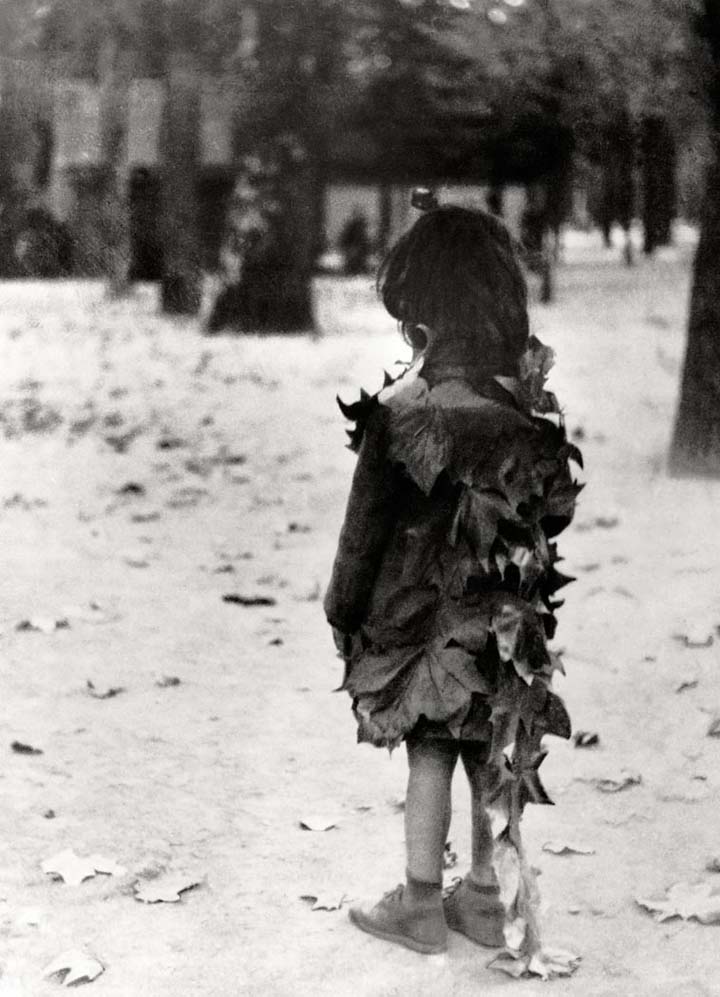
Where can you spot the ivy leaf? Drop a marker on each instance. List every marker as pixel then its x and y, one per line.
pixel 73 966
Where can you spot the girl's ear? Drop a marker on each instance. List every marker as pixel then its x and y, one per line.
pixel 420 336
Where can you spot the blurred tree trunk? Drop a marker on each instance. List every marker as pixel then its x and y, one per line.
pixel 116 70
pixel 659 185
pixel 181 284
pixel 695 449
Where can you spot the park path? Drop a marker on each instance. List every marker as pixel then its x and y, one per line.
pixel 148 472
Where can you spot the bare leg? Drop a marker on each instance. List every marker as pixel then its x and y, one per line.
pixel 428 807
pixel 474 758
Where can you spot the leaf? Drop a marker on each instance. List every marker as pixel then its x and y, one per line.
pixel 687 684
pixel 713 864
pixel 71 868
pixel 477 518
pixel 165 890
pixel 616 783
pixel 698 901
pixel 325 901
pixel 586 739
pixel 43 624
pixel 546 964
pixel 318 822
pixel 249 600
pixel 714 728
pixel 131 488
pixel 168 682
pixel 109 692
pixel 419 437
pixel 25 749
pixel 561 848
pixel 74 965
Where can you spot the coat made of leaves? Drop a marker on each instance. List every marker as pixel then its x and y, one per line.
pixel 445 575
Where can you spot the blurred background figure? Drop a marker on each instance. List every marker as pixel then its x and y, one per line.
pixel 355 244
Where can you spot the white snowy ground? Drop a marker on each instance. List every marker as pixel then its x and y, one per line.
pixel 234 453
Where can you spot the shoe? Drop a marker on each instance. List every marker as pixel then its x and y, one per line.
pixel 476 912
pixel 417 927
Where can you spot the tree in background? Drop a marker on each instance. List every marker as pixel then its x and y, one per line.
pixel 695 449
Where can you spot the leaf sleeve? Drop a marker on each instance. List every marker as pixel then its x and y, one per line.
pixel 369 519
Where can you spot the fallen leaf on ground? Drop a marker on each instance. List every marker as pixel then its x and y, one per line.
pixel 714 728
pixel 687 684
pixel 299 528
pixel 168 682
pixel 318 823
pixel 186 498
pixel 43 624
pixel 108 692
pixel 135 559
pixel 170 443
pixel 145 517
pixel 131 488
pixel 586 739
pixel 25 749
pixel 73 966
pixel 165 890
pixel 71 868
pixel 700 901
pixel 561 848
pixel 713 864
pixel 249 600
pixel 325 901
pixel 615 783
pixel 547 964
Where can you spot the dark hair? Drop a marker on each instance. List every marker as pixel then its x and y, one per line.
pixel 456 271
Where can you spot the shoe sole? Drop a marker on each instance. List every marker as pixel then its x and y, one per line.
pixel 425 948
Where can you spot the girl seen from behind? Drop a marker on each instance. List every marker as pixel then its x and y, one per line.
pixel 443 591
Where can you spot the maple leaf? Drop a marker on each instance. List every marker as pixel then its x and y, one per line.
pixel 318 822
pixel 74 869
pixel 699 901
pixel 419 439
pixel 74 965
pixel 478 516
pixel 69 867
pixel 166 889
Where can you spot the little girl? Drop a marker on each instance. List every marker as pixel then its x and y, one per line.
pixel 441 598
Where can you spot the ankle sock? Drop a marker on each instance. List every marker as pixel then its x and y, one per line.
pixel 488 889
pixel 420 892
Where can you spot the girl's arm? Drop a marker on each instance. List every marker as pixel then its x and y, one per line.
pixel 369 519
